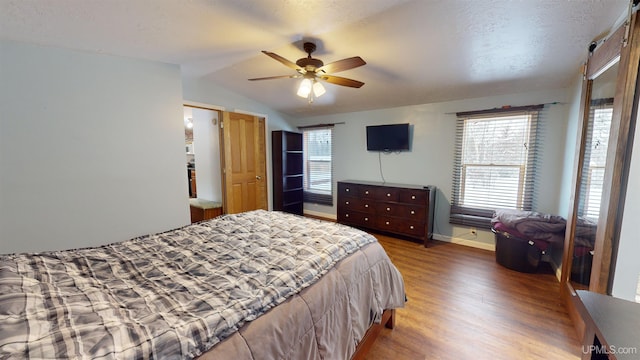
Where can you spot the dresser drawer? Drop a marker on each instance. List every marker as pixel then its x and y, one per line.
pixel 413 196
pixel 414 212
pixel 387 194
pixel 357 204
pixel 346 189
pixel 356 218
pixel 412 228
pixel 411 212
pixel 402 226
pixel 367 192
pixel 390 209
pixel 362 191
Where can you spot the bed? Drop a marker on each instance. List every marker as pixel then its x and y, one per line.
pixel 255 285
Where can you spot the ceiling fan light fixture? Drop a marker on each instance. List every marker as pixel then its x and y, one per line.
pixel 312 70
pixel 318 89
pixel 305 88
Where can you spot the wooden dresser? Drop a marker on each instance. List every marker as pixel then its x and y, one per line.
pixel 399 209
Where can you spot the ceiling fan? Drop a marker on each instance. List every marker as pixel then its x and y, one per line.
pixel 313 70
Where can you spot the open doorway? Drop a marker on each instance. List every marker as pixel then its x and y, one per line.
pixel 238 151
pixel 202 144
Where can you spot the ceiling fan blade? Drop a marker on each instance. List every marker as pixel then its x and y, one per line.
pixel 342 65
pixel 277 77
pixel 341 81
pixel 284 61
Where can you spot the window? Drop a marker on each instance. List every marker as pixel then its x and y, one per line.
pixel 595 157
pixel 494 163
pixel 318 165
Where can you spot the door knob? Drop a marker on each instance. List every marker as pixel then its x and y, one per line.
pixel 258 177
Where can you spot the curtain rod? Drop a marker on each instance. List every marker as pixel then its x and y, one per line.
pixel 320 125
pixel 506 108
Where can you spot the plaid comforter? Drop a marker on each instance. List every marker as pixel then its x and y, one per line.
pixel 169 295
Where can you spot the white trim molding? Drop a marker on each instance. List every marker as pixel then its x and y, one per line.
pixel 465 242
pixel 202 105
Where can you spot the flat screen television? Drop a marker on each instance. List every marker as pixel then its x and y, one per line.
pixel 394 137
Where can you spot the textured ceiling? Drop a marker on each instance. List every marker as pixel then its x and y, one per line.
pixel 416 51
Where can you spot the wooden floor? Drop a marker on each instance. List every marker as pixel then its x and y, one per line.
pixel 463 305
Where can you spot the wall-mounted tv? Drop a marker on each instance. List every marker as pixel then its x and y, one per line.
pixel 394 137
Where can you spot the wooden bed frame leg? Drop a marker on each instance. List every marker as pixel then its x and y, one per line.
pixel 391 322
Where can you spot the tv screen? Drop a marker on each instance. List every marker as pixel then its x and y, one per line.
pixel 393 137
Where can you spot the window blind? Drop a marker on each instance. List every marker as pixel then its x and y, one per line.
pixel 318 164
pixel 495 163
pixel 595 156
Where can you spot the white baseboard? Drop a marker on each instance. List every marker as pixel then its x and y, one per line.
pixel 465 242
pixel 321 214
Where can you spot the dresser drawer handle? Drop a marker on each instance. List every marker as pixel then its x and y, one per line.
pixel 386 223
pixel 388 209
pixel 366 192
pixel 388 195
pixel 346 203
pixel 347 189
pixel 366 205
pixel 366 219
pixel 413 197
pixel 413 212
pixel 346 215
pixel 411 227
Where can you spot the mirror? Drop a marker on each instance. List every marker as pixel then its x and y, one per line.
pixel 597 121
pixel 202 138
pixel 611 69
pixel 600 179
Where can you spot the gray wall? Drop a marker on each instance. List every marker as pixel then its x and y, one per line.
pixel 430 161
pixel 91 148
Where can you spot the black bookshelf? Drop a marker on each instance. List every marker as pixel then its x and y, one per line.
pixel 287 161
